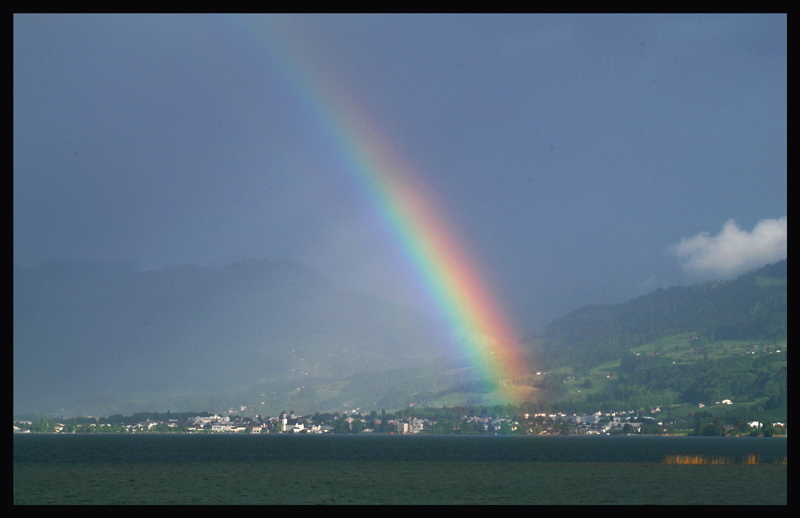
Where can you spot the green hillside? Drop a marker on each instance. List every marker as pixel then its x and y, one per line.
pixel 683 345
pixel 749 308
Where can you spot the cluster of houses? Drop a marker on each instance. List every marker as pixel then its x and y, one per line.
pixel 291 423
pixel 539 424
pixel 287 423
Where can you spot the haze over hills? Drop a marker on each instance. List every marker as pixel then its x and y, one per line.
pixel 104 338
pixel 90 334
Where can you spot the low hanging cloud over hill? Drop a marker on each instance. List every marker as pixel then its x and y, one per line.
pixel 733 251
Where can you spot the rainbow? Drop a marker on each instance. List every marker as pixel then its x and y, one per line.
pixel 460 292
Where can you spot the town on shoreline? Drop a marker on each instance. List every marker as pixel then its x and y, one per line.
pixel 439 421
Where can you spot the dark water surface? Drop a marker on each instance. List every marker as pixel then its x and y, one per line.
pixel 363 469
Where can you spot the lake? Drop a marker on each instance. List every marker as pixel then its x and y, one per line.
pixel 226 469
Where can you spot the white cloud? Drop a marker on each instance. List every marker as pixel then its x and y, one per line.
pixel 733 251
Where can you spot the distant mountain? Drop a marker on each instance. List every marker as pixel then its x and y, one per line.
pixel 107 338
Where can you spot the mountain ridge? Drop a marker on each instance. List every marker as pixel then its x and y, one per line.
pixel 747 307
pixel 301 341
pixel 188 328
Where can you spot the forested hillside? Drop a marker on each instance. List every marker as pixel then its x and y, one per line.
pixel 751 307
pixel 684 345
